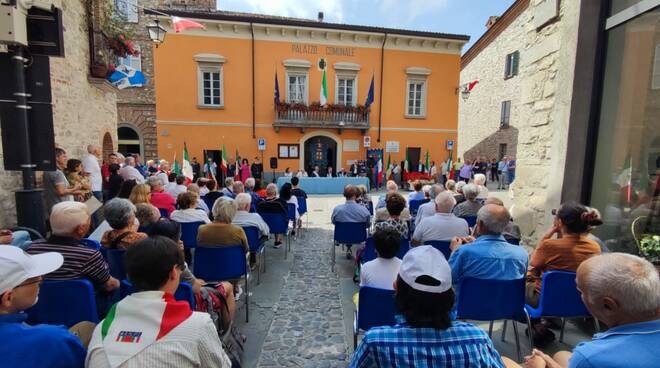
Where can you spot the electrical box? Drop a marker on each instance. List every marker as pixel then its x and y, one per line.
pixel 13 25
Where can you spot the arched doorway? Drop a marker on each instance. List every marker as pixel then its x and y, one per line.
pixel 322 151
pixel 108 146
pixel 128 140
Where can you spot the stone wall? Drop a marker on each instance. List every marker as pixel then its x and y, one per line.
pixel 540 111
pixel 83 110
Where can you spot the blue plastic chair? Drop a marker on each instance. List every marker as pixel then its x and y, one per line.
pixel 369 253
pixel 115 259
pixel 348 233
pixel 278 223
pixel 189 233
pixel 302 209
pixel 256 246
pixel 506 300
pixel 560 298
pixel 414 205
pixel 471 220
pixel 164 213
pixel 64 302
pixel 370 207
pixel 183 293
pixel 441 245
pixel 376 308
pixel 91 243
pixel 223 263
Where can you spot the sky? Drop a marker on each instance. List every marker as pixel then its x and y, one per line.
pixel 467 17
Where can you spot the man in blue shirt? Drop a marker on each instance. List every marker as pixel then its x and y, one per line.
pixel 350 211
pixel 489 256
pixel 623 291
pixel 31 346
pixel 425 335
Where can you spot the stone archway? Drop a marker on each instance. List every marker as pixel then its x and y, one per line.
pixel 129 140
pixel 108 146
pixel 331 149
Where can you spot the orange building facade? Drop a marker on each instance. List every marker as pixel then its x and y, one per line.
pixel 215 87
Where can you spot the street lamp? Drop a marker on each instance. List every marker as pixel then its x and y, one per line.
pixel 156 32
pixel 465 89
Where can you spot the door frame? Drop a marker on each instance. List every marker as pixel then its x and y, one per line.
pixel 306 137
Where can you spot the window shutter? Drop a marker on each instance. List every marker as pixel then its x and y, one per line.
pixel 507 64
pixel 514 62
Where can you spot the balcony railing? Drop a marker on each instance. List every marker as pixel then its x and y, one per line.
pixel 321 119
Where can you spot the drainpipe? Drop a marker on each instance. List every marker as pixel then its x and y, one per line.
pixel 380 95
pixel 254 106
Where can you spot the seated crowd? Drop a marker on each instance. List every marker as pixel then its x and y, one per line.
pixel 143 216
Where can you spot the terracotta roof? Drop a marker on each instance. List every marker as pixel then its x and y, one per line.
pixel 288 21
pixel 494 31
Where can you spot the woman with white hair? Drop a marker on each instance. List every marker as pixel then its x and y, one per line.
pixel 120 215
pixel 221 232
pixel 188 211
pixel 470 207
pixel 458 192
pixel 480 182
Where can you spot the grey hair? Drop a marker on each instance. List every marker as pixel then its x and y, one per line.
pixel 129 160
pixel 243 200
pixel 229 181
pixel 493 219
pixel 450 185
pixel 249 183
pixel 224 210
pixel 238 187
pixel 147 214
pixel 154 181
pixel 459 186
pixel 392 186
pixel 435 190
pixel 119 212
pixel 630 280
pixel 193 188
pixel 470 191
pixel 444 202
pixel 479 179
pixel 271 189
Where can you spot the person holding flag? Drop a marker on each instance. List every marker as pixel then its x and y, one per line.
pixel 224 164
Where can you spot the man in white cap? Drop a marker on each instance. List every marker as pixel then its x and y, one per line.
pixel 31 346
pixel 425 335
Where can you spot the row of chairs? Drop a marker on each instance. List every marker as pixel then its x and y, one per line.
pixel 487 300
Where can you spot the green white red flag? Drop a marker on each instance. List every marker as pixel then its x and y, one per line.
pixel 224 164
pixel 186 170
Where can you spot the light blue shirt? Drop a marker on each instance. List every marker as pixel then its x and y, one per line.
pixel 501 166
pixel 633 345
pixel 350 212
pixel 416 196
pixel 489 257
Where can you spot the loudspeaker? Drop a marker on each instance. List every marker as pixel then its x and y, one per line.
pixel 273 162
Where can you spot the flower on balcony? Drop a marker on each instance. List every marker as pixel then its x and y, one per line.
pixel 316 106
pixel 122 46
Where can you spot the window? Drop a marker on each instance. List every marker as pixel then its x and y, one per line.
pixel 502 150
pixel 134 62
pixel 127 9
pixel 511 65
pixel 346 91
pixel 655 81
pixel 416 97
pixel 296 88
pixel 505 114
pixel 210 85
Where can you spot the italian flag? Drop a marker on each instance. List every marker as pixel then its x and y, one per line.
pixel 323 95
pixel 389 167
pixel 175 166
pixel 379 171
pixel 187 170
pixel 180 24
pixel 450 166
pixel 136 322
pixel 427 168
pixel 237 174
pixel 225 163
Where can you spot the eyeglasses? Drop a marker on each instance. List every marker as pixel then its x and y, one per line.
pixel 35 281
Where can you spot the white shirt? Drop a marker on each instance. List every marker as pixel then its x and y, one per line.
pixel 246 219
pixel 163 178
pixel 203 191
pixel 169 186
pixel 380 273
pixel 90 165
pixel 441 226
pixel 443 168
pixel 176 190
pixel 433 171
pixel 483 192
pixel 299 174
pixel 130 173
pixel 190 215
pixel 288 175
pixel 425 210
pixel 193 343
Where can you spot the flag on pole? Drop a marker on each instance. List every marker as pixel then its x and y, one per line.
pixel 323 95
pixel 237 175
pixel 186 170
pixel 427 169
pixel 181 24
pixel 404 173
pixel 379 172
pixel 625 179
pixel 389 166
pixel 175 166
pixel 450 166
pixel 224 164
pixel 277 91
pixel 370 95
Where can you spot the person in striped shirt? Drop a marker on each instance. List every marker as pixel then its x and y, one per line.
pixel 425 335
pixel 70 222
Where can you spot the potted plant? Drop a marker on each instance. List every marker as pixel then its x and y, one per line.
pixel 649 246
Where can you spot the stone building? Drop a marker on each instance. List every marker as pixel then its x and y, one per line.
pixel 570 87
pixel 84 108
pixel 136 107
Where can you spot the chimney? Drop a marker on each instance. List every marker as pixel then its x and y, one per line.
pixel 491 21
pixel 320 17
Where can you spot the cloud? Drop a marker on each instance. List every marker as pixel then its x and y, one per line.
pixel 332 9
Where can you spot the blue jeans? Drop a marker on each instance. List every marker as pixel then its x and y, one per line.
pixel 512 175
pixel 21 239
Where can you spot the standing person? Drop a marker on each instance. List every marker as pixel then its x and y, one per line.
pixel 443 173
pixel 502 170
pixel 465 173
pixel 105 169
pixel 196 169
pixel 129 172
pixel 433 172
pixel 396 174
pixel 56 186
pixel 210 169
pixel 139 166
pixel 114 183
pixel 511 169
pixel 245 170
pixel 257 168
pixel 90 167
pixel 494 176
pixel 457 168
pixel 163 171
pixel 75 176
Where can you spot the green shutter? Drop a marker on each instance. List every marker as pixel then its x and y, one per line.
pixel 514 68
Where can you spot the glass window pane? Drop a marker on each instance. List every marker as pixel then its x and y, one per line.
pixel 626 183
pixel 216 84
pixel 207 84
pixel 216 100
pixel 619 5
pixel 207 100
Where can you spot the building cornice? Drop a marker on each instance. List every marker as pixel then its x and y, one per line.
pixel 494 31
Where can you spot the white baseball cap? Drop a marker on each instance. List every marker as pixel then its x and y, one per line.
pixel 425 260
pixel 17 266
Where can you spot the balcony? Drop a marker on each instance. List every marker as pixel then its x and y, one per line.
pixel 333 117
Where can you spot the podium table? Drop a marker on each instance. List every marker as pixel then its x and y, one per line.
pixel 325 185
